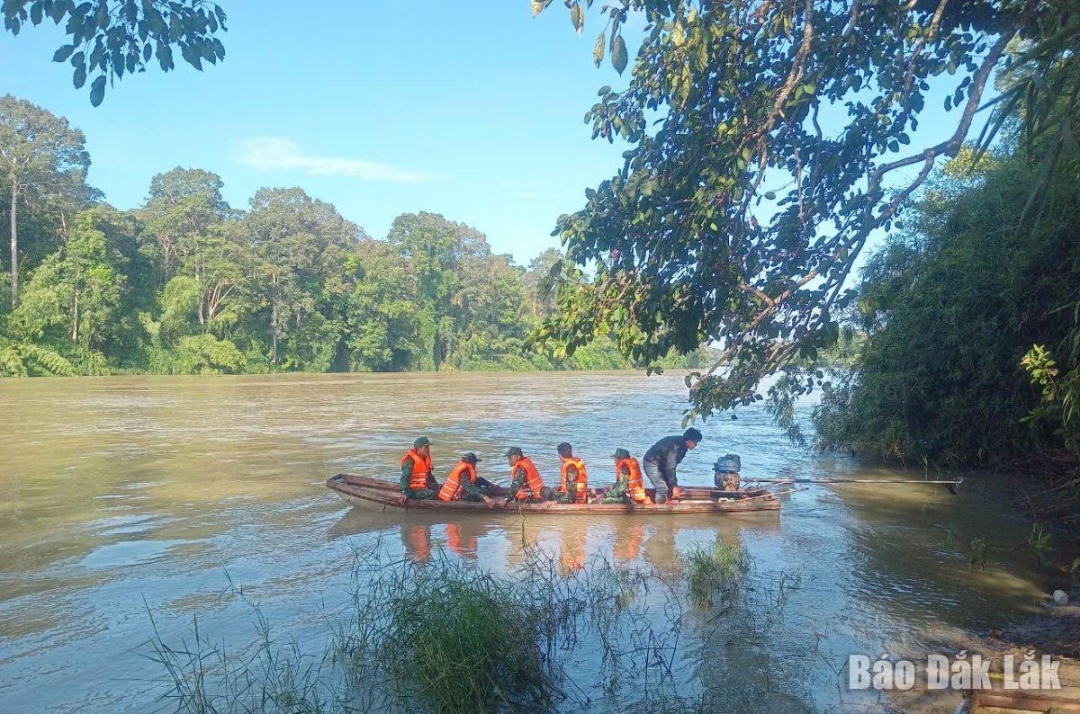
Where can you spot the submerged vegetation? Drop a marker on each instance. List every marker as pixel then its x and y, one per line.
pixel 463 641
pixel 709 570
pixel 445 636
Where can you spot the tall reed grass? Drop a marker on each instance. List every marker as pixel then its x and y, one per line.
pixel 450 636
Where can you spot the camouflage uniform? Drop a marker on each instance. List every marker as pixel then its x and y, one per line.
pixel 546 493
pixel 617 493
pixel 571 487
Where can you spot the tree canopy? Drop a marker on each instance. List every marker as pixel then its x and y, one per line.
pixel 43 161
pixel 767 142
pixel 186 283
pixel 111 38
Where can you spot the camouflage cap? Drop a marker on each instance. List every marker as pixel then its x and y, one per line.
pixel 621 454
pixel 514 451
pixel 470 457
pixel 422 441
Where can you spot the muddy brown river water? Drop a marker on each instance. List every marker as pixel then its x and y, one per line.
pixel 126 497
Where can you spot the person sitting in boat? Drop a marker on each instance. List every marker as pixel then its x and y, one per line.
pixel 726 472
pixel 417 481
pixel 462 482
pixel 525 482
pixel 629 486
pixel 664 457
pixel 573 479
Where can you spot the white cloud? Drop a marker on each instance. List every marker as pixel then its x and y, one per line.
pixel 273 152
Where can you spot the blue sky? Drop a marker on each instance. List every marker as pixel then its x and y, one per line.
pixel 469 109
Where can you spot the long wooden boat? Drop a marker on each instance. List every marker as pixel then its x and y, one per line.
pixel 363 490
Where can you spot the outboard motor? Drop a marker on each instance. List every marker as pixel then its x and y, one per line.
pixel 726 472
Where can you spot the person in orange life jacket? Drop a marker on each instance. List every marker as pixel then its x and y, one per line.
pixel 525 482
pixel 663 458
pixel 461 484
pixel 573 478
pixel 417 480
pixel 629 486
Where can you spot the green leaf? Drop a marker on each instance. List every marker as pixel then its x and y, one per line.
pixel 618 54
pixel 63 53
pixel 164 54
pixel 36 14
pixel 598 50
pixel 577 16
pixel 97 91
pixel 80 77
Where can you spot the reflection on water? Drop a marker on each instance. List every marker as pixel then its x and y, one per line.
pixel 123 491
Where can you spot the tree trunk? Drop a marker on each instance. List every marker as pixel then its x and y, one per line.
pixel 14 245
pixel 75 318
pixel 273 324
pixel 436 352
pixel 274 321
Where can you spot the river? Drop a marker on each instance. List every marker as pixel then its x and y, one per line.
pixel 130 497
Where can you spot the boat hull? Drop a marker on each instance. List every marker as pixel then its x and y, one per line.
pixel 365 491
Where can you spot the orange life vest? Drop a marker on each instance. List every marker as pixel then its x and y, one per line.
pixel 421 469
pixel 581 486
pixel 533 482
pixel 451 488
pixel 635 487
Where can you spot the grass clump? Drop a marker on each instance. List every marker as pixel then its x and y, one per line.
pixel 450 636
pixel 712 570
pixel 465 641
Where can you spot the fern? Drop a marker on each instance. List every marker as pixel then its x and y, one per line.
pixel 22 359
pixel 46 361
pixel 11 362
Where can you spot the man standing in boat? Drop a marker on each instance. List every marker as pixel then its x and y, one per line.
pixel 417 481
pixel 663 458
pixel 462 482
pixel 525 484
pixel 573 479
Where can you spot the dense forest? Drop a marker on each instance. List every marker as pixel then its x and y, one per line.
pixel 964 333
pixel 969 324
pixel 189 284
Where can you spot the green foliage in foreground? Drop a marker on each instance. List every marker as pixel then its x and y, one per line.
pixel 766 142
pixel 446 636
pixel 463 641
pixel 709 570
pixel 961 315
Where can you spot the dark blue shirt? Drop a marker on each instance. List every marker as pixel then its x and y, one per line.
pixel 667 454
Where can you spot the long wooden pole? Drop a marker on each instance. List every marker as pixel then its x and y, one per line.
pixel 953 482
